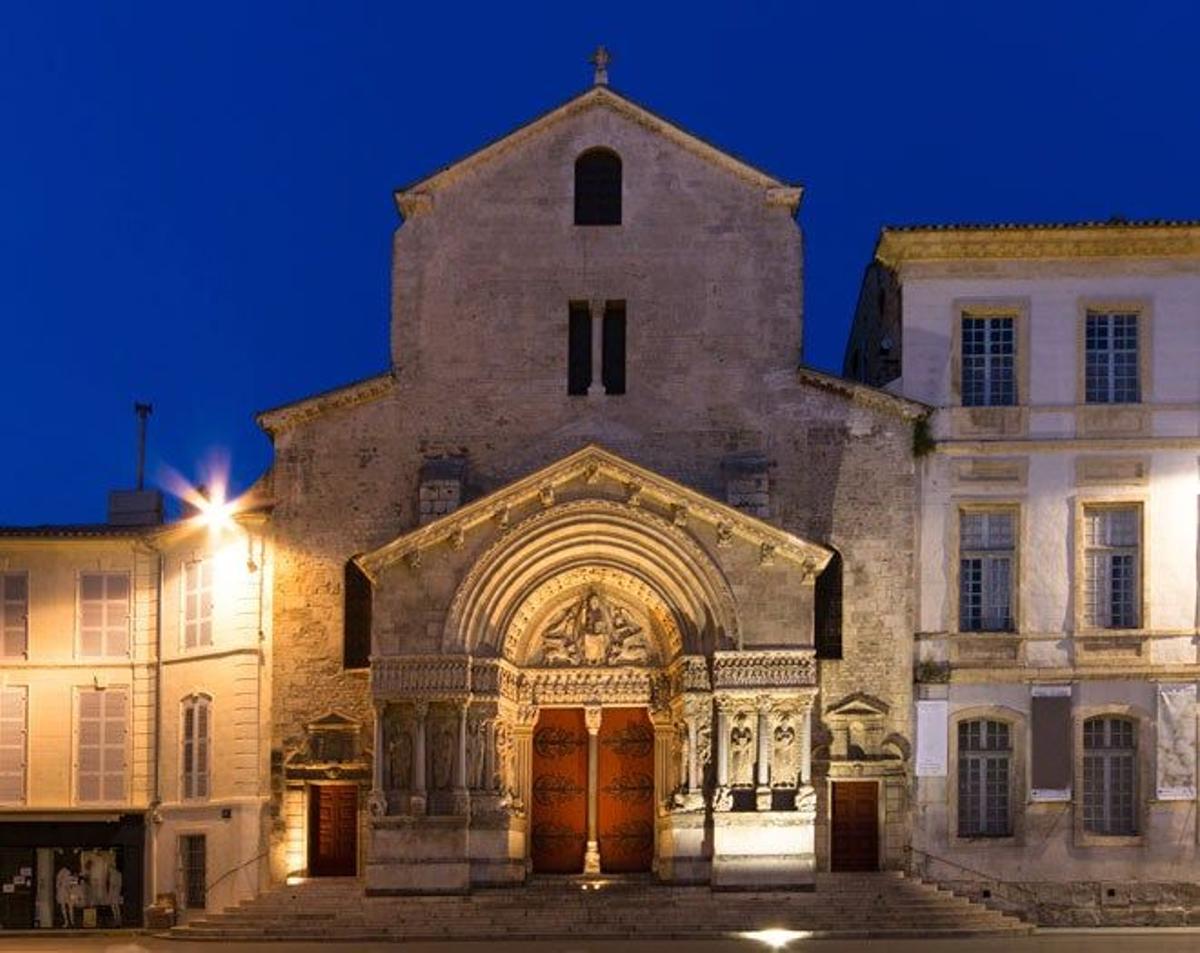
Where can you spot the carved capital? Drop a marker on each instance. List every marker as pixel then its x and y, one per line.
pixel 546 495
pixel 591 717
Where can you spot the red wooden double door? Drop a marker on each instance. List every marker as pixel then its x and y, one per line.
pixel 624 791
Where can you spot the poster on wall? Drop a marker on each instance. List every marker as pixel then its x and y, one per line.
pixel 88 888
pixel 932 738
pixel 1176 754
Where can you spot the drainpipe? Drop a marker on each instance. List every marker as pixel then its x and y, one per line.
pixel 156 798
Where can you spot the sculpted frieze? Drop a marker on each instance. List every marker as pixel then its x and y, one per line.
pixel 593 630
pixel 766 669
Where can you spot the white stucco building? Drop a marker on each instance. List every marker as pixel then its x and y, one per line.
pixel 1056 644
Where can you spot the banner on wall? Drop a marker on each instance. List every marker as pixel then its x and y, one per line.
pixel 932 738
pixel 1176 754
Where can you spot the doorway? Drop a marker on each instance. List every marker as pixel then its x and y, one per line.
pixel 332 830
pixel 854 828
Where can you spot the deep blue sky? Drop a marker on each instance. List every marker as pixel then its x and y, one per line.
pixel 196 198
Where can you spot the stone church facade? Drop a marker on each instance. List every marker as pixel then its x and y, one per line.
pixel 593 579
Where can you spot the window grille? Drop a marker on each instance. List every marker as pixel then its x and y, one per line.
pixel 986 543
pixel 197 603
pixel 103 613
pixel 598 188
pixel 194 756
pixel 1112 374
pixel 14 614
pixel 1110 776
pixel 102 730
pixel 193 863
pixel 984 762
pixel 989 356
pixel 1112 584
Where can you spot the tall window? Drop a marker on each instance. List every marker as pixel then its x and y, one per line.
pixel 1112 585
pixel 984 761
pixel 102 730
pixel 1110 776
pixel 193 869
pixel 103 613
pixel 197 603
pixel 598 188
pixel 14 614
pixel 356 621
pixel 989 359
pixel 986 543
pixel 827 610
pixel 13 728
pixel 613 348
pixel 579 348
pixel 1111 354
pixel 194 753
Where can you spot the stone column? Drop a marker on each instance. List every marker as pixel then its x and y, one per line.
pixel 762 798
pixel 377 799
pixel 460 762
pixel 722 747
pixel 693 760
pixel 596 309
pixel 490 779
pixel 591 859
pixel 805 742
pixel 421 717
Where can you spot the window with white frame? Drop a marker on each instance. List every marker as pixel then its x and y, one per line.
pixel 197 712
pixel 101 745
pixel 197 603
pixel 1112 593
pixel 987 547
pixel 14 614
pixel 984 763
pixel 1110 776
pixel 103 613
pixel 13 729
pixel 1111 372
pixel 989 361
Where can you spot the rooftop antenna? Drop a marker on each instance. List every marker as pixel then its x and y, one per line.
pixel 143 411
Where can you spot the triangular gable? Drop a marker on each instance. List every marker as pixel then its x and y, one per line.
pixel 858 705
pixel 412 198
pixel 588 464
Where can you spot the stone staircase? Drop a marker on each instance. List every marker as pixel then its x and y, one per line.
pixel 843 905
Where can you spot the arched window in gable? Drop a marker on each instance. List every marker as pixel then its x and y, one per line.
pixel 598 188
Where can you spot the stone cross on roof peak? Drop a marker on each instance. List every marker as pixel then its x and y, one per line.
pixel 600 59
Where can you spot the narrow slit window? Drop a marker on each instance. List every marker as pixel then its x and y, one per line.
pixel 579 349
pixel 356 643
pixel 613 350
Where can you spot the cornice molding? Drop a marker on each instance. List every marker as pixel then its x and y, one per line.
pixel 284 417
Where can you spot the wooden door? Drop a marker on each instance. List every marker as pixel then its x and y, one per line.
pixel 854 839
pixel 332 830
pixel 625 795
pixel 558 834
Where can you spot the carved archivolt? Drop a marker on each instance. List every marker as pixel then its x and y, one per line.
pixel 625 548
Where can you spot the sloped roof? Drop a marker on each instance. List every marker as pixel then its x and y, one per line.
pixel 587 463
pixel 863 393
pixel 409 197
pixel 284 416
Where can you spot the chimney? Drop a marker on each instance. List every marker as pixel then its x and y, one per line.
pixel 139 507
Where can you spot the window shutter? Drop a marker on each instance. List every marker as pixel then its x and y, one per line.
pixel 1051 730
pixel 116 623
pixel 202 747
pixel 14 611
pixel 206 602
pixel 12 745
pixel 189 749
pixel 90 765
pixel 613 348
pixel 115 731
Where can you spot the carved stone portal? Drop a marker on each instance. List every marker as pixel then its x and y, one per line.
pixel 594 630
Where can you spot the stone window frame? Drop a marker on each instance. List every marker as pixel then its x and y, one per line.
pixel 954 609
pixel 79 653
pixel 1083 503
pixel 1018 791
pixel 1143 777
pixel 1143 307
pixel 1016 308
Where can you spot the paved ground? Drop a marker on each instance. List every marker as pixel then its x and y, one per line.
pixel 1161 941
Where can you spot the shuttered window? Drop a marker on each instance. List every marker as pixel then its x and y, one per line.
pixel 14 613
pixel 197 719
pixel 103 613
pixel 102 742
pixel 13 728
pixel 197 603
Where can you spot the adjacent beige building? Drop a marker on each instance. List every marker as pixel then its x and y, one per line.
pixel 1057 611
